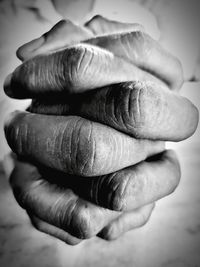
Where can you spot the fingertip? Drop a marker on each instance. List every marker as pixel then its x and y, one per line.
pixel 27 50
pixel 20 53
pixel 63 33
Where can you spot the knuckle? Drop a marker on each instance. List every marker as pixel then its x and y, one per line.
pixel 84 62
pixel 118 192
pixel 134 113
pixel 25 76
pixel 148 107
pixel 79 60
pixel 128 110
pixel 83 148
pixel 73 56
pixel 136 98
pixel 127 193
pixel 139 97
pixel 82 223
pixel 89 151
pixel 117 203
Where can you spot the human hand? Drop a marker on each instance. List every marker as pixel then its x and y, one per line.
pixel 39 137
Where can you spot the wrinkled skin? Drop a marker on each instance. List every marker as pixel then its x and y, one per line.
pixel 93 137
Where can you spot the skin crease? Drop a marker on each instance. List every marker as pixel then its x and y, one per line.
pixel 119 44
pixel 76 69
pixel 82 61
pixel 66 33
pixel 75 145
pixel 51 40
pixel 142 110
pixel 135 181
pixel 143 181
pixel 122 45
pixel 75 215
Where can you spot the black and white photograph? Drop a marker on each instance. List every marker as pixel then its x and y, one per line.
pixel 99 133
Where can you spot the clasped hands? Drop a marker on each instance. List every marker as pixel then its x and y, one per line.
pixel 91 157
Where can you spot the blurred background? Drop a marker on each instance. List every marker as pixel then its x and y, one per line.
pixel 172 237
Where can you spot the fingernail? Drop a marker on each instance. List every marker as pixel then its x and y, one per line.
pixel 7 85
pixel 26 50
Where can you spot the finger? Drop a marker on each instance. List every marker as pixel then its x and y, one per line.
pixel 64 33
pixel 140 49
pixel 129 188
pixel 75 145
pixel 136 186
pixel 100 25
pixel 142 110
pixel 73 70
pixel 57 206
pixel 126 222
pixel 54 231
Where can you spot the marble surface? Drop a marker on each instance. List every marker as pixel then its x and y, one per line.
pixel 172 236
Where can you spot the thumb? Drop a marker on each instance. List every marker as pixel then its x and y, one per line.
pixel 64 33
